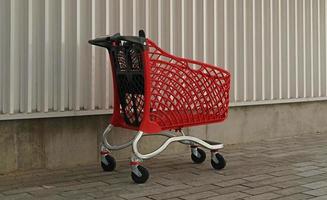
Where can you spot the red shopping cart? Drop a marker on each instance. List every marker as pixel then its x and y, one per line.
pixel 154 92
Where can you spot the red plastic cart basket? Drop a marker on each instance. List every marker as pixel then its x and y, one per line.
pixel 155 91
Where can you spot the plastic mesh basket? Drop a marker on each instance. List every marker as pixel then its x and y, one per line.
pixel 156 91
pixel 186 92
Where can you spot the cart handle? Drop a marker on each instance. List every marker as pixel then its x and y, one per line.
pixel 106 41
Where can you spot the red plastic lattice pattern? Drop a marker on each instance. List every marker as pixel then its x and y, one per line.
pixel 186 92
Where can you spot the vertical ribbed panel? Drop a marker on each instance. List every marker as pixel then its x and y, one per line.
pixel 5 21
pixel 275 49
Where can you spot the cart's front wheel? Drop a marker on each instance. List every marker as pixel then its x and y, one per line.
pixel 198 155
pixel 141 175
pixel 218 162
pixel 108 163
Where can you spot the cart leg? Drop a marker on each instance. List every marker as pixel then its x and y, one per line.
pixel 139 174
pixel 108 163
pixel 108 145
pixel 217 161
pixel 184 139
pixel 197 154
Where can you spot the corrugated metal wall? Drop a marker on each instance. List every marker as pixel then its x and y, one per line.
pixel 275 49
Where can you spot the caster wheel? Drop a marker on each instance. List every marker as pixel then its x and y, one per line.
pixel 219 162
pixel 200 159
pixel 144 175
pixel 109 164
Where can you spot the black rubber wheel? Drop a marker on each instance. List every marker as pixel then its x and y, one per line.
pixel 221 162
pixel 201 158
pixel 111 164
pixel 143 178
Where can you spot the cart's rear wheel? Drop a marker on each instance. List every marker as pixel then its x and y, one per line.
pixel 142 176
pixel 108 163
pixel 198 155
pixel 218 162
